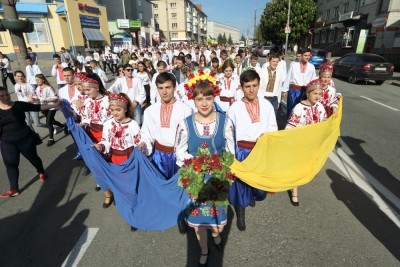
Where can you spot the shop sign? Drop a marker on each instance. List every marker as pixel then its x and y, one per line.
pixel 89 21
pixel 379 22
pixel 123 23
pixel 135 23
pixel 89 9
pixel 346 16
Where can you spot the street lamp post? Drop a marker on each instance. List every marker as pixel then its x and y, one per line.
pixel 287 29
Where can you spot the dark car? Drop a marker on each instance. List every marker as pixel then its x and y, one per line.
pixel 363 67
pixel 318 57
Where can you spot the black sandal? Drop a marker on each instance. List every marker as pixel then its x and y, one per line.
pixel 105 204
pixel 204 255
pixel 218 245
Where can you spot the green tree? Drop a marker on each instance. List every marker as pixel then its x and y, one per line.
pixel 242 38
pixel 224 40
pixel 230 40
pixel 274 19
pixel 219 39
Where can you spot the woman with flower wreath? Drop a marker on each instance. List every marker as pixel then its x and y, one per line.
pixel 212 131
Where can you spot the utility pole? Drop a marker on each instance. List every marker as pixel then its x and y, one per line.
pixel 255 22
pixel 167 15
pixel 287 30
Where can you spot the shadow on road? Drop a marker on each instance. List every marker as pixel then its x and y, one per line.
pixel 367 213
pixel 215 257
pixel 368 163
pixel 46 233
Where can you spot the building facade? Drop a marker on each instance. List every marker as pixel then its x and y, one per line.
pixel 179 21
pixel 214 29
pixel 346 26
pixel 76 25
pixel 130 22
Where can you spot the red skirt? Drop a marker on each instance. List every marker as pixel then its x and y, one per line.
pixel 119 156
pixel 95 132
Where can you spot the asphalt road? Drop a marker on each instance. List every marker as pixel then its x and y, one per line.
pixel 338 223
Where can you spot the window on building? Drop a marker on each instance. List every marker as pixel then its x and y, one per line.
pixel 316 38
pixel 336 13
pixel 174 25
pixel 156 16
pixel 346 8
pixel 155 6
pixel 157 26
pixel 173 5
pixel 323 37
pixel 174 35
pixel 331 36
pixel 173 15
pixel 39 34
pixel 356 5
pixel 139 2
pixel 327 14
pixel 140 14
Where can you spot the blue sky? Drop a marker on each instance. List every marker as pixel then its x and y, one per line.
pixel 238 13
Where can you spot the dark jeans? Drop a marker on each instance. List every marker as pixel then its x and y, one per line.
pixel 11 154
pixel 9 75
pixel 274 102
pixel 50 121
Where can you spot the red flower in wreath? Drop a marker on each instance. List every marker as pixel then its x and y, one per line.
pixel 194 212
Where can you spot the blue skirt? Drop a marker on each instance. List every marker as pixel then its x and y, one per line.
pixel 240 193
pixel 165 163
pixel 293 98
pixel 207 215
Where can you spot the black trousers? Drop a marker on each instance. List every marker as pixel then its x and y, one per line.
pixel 11 151
pixel 9 75
pixel 51 121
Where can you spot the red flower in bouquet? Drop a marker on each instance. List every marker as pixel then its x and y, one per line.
pixel 204 145
pixel 197 166
pixel 195 212
pixel 213 211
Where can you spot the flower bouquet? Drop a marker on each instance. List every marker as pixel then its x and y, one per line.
pixel 207 177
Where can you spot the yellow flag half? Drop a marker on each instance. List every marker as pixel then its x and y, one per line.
pixel 285 159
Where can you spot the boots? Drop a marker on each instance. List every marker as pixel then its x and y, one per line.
pixel 240 218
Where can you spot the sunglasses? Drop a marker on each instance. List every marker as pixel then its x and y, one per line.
pixel 129 70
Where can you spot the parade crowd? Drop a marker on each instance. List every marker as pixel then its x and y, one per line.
pixel 167 102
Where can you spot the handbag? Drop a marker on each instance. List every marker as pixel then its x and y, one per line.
pixel 37 138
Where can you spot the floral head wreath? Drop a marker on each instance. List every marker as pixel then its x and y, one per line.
pixel 326 68
pixel 117 99
pixel 79 76
pixel 199 75
pixel 314 84
pixel 88 80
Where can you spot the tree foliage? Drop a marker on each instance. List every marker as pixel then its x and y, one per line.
pixel 230 39
pixel 219 39
pixel 242 38
pixel 274 19
pixel 224 40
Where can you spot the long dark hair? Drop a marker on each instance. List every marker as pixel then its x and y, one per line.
pixel 42 77
pixel 102 89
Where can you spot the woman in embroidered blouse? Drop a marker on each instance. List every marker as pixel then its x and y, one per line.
pixel 120 134
pixel 26 93
pixel 203 61
pixel 206 125
pixel 329 97
pixel 46 95
pixel 229 86
pixel 308 111
pixel 145 77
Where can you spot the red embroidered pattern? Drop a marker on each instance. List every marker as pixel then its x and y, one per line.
pixel 227 83
pixel 165 114
pixel 253 109
pixel 71 91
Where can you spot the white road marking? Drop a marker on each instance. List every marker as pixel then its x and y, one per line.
pixel 379 103
pixel 80 248
pixel 367 183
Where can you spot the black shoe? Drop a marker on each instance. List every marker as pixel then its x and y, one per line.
pixel 97 188
pixel 50 142
pixel 240 218
pixel 294 203
pixel 86 172
pixel 66 132
pixel 218 245
pixel 205 263
pixel 182 226
pixel 133 229
pixel 111 200
pixel 252 203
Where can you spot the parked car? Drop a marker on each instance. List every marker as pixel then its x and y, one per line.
pixel 318 57
pixel 264 50
pixel 363 67
pixel 252 47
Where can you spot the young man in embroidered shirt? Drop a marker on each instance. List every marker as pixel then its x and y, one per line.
pixel 252 116
pixel 160 124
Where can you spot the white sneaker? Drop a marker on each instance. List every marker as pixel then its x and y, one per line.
pixel 55 131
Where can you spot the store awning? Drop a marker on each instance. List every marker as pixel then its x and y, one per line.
pixel 30 8
pixel 93 34
pixel 60 9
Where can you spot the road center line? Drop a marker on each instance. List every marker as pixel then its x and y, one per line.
pixel 367 184
pixel 80 247
pixel 379 103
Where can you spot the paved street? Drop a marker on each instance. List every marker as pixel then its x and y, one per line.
pixel 348 215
